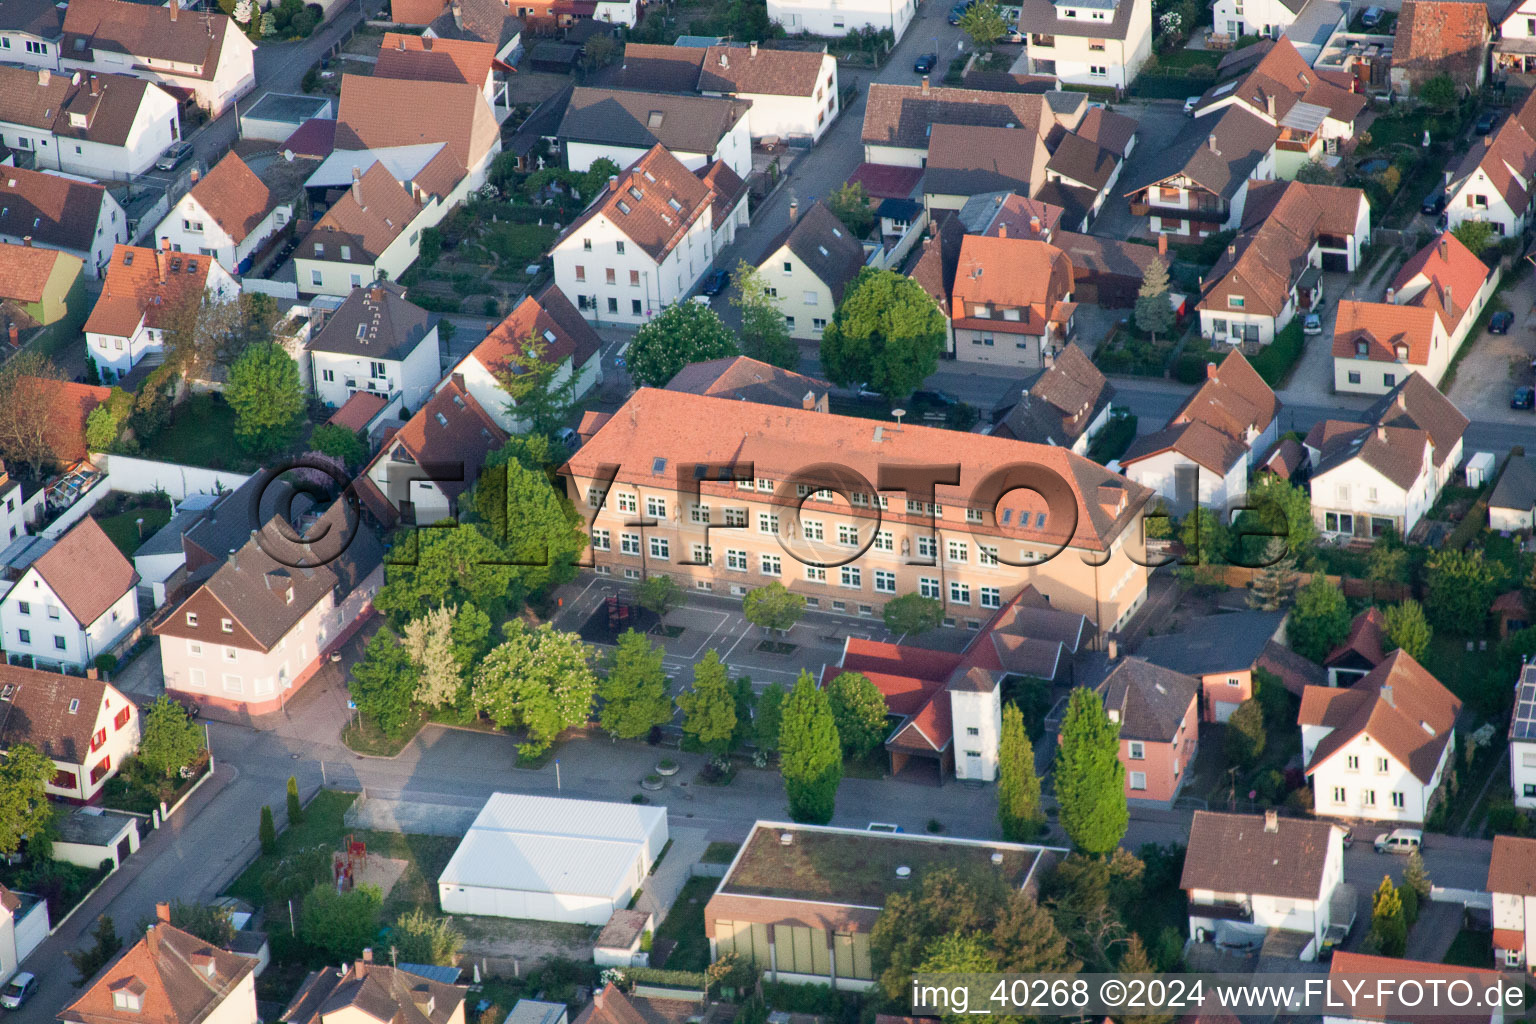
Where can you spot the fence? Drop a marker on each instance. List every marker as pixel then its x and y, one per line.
pixel 141 476
pixel 1240 577
pixel 277 289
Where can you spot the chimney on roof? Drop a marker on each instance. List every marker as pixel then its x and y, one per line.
pixel 163 912
pixel 1210 371
pixel 1034 224
pixel 1445 248
pixel 1271 821
pixel 160 258
pixel 794 210
pixel 925 85
pixel 808 400
pixel 1232 251
pixel 92 673
pixel 458 380
pixel 26 240
pixel 725 59
pixel 752 48
pixel 1162 243
pixel 1487 141
pixel 1402 400
pixel 95 86
pixel 1210 140
pixel 1002 231
pixel 400 44
pixel 44 76
pixel 1449 305
pixel 1269 104
pixel 175 9
pixel 1112 649
pixel 458 16
pixel 193 175
pixel 1381 433
pixel 1386 695
pixel 15 334
pixel 613 182
pixel 376 293
pixel 357 185
pixel 1391 295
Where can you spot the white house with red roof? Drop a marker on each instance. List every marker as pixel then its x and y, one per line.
pixel 1512 886
pixel 1365 974
pixel 1431 306
pixel 73 603
pixel 84 725
pixel 229 214
pixel 139 297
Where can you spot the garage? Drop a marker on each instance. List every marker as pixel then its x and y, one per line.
pixel 551 859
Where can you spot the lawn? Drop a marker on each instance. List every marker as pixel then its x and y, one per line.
pixel 1470 949
pixel 1470 675
pixel 684 925
pixel 518 244
pixel 322 824
pixel 201 433
pixel 124 528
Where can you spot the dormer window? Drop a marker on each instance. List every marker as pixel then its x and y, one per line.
pixel 128 1001
pixel 1402 353
pixel 1361 347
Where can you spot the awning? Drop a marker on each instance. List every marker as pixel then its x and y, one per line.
pixel 1305 117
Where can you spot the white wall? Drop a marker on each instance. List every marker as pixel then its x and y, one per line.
pixel 18 47
pixel 658 287
pixel 984 713
pixel 414 376
pixel 538 906
pixel 485 389
pixel 90 855
pixel 1522 773
pixel 1367 790
pixel 111 230
pixel 1359 490
pixel 799 294
pixel 1462 205
pixel 191 229
pixel 46 621
pixel 799 16
pixel 1216 491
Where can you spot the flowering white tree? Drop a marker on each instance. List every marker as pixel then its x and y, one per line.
pixel 243 11
pixel 1170 22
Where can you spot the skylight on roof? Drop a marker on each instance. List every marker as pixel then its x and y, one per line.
pixel 823 250
pixel 636 193
pixel 654 121
pixel 649 177
pixel 1224 89
pixel 675 205
pixel 658 466
pixel 549 336
pixel 623 206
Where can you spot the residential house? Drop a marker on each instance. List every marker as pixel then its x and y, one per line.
pixel 1386 472
pixel 1352 972
pixel 808 268
pixel 375 341
pixel 31 31
pixel 623 126
pixel 1245 874
pixel 1198 185
pixel 1441 37
pixel 965 160
pixel 380 113
pixel 85 726
pixel 1015 291
pixel 744 379
pixel 423 470
pixel 1514 42
pixel 1431 306
pixel 24 925
pixel 486 21
pixel 267 618
pixel 457 61
pixel 54 212
pixel 799 901
pixel 172 976
pixel 652 236
pixel 1495 177
pixel 21 507
pixel 1204 454
pixel 1512 505
pixel 1313 113
pixel 73 603
pixel 986 536
pixel 38 286
pixel 1362 650
pixel 1378 749
pixel 204 54
pixel 102 125
pixel 809 17
pixel 142 291
pixel 1221 651
pixel 1522 740
pixel 1158 711
pixel 1100 43
pixel 1107 271
pixel 376 991
pixel 1066 405
pixel 569 342
pixel 1301 21
pixel 1512 886
pixel 1292 232
pixel 229 214
pixel 899 121
pixel 931 265
pixel 949 706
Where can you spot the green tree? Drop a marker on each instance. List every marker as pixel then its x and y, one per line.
pixel 659 593
pixel 945 901
pixel 768 719
pixel 984 23
pixel 1440 92
pixel 913 613
pixel 168 740
pixel 24 808
pixel 1205 537
pixel 773 607
pixel 1276 582
pixel 1315 172
pixel 207 922
pixel 683 333
pixel 1277 508
pixel 1090 780
pixel 540 680
pixel 1245 733
pixel 1386 562
pixel 422 938
pixel 1018 787
pixel 959 953
pixel 88 961
pixel 453 565
pixel 338 442
pixel 532 521
pixel 295 807
pixel 858 711
pixel 1416 877
pixel 850 204
pixel 1476 235
pixel 1027 940
pixel 887 334
pixel 709 707
pixel 1153 311
pixel 266 832
pixel 764 332
pixel 1389 929
pixel 1320 620
pixel 634 694
pixel 268 399
pixel 383 683
pixel 341 924
pixel 745 701
pixel 810 753
pixel 1408 629
pixel 429 644
pixel 540 390
pixel 1461 586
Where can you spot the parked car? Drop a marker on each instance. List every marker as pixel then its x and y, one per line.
pixel 178 154
pixel 883 826
pixel 18 990
pixel 1400 840
pixel 1190 104
pixel 958 11
pixel 1372 17
pixel 1486 122
pixel 1313 324
pixel 1523 398
pixel 925 63
pixel 1501 322
pixel 569 438
pixel 1433 203
pixel 933 398
pixel 715 283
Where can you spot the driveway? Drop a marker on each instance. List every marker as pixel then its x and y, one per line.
pixel 1493 365
pixel 1161 120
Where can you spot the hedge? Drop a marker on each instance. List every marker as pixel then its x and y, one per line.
pixel 1276 359
pixel 672 979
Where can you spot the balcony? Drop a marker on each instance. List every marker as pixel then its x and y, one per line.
pixel 1223 911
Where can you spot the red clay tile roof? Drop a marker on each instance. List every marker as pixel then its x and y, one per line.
pixel 1398 704
pixel 234 197
pixel 1367 634
pixel 39 711
pixel 1014 216
pixel 1512 866
pixel 144 283
pixel 1009 274
pixel 86 571
pixel 1507 157
pixel 1234 400
pixel 887 181
pixel 1284 77
pixel 1450 276
pixel 1236 853
pixel 902 115
pixel 1370 968
pixel 368 224
pixel 749 380
pixel 1443 36
pixel 1108 129
pixel 315 138
pixel 143 30
pixel 1383 327
pixel 180 979
pixel 732 69
pixel 60 104
pixel 610 1006
pixel 423 59
pixel 654 204
pixel 378 112
pixel 465 434
pixel 550 317
pixel 72 403
pixel 356 411
pixel 826 247
pixel 24 271
pixel 1199 442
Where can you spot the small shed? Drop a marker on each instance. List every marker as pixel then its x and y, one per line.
pixel 618 944
pixel 1480 468
pixel 1512 506
pixel 535 1011
pixel 557 58
pixel 91 835
pixel 278 115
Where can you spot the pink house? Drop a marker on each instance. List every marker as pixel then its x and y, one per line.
pixel 1159 715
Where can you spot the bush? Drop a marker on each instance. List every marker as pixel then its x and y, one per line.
pixel 106 664
pixel 671 979
pixel 1275 360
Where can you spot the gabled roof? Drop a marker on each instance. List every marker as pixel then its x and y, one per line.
pixel 358 411
pixel 1516 488
pixel 1150 702
pixel 25 270
pixel 148 284
pixel 98 108
pixel 1363 968
pixel 1382 328
pixel 72 405
pixel 757 70
pixel 42 18
pixel 749 380
pixel 234 197
pixel 381 992
pixel 179 978
pixel 1366 640
pixel 1106 128
pixel 489 21
pixel 901 115
pixel 374 322
pixel 610 1006
pixel 1507 158
pixel 1233 399
pixel 824 245
pixel 1199 442
pixel 86 571
pixel 1011 214
pixel 933 261
pixel 1020 274
pixel 1042 16
pixel 1447 36
pixel 1061 403
pixel 1230 642
pixel 1398 704
pixel 966 160
pixel 1084 161
pixel 35 710
pixel 1238 853
pixel 1281 80
pixel 1512 866
pixel 640 120
pixel 372 214
pixel 1418 404
pixel 656 67
pixel 1449 275
pixel 654 203
pixel 552 318
pixel 377 112
pixel 1397 453
pixel 425 59
pixel 54 210
pixel 1219 152
pixel 145 31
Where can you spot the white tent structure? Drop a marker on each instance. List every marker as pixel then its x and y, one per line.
pixel 552 859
